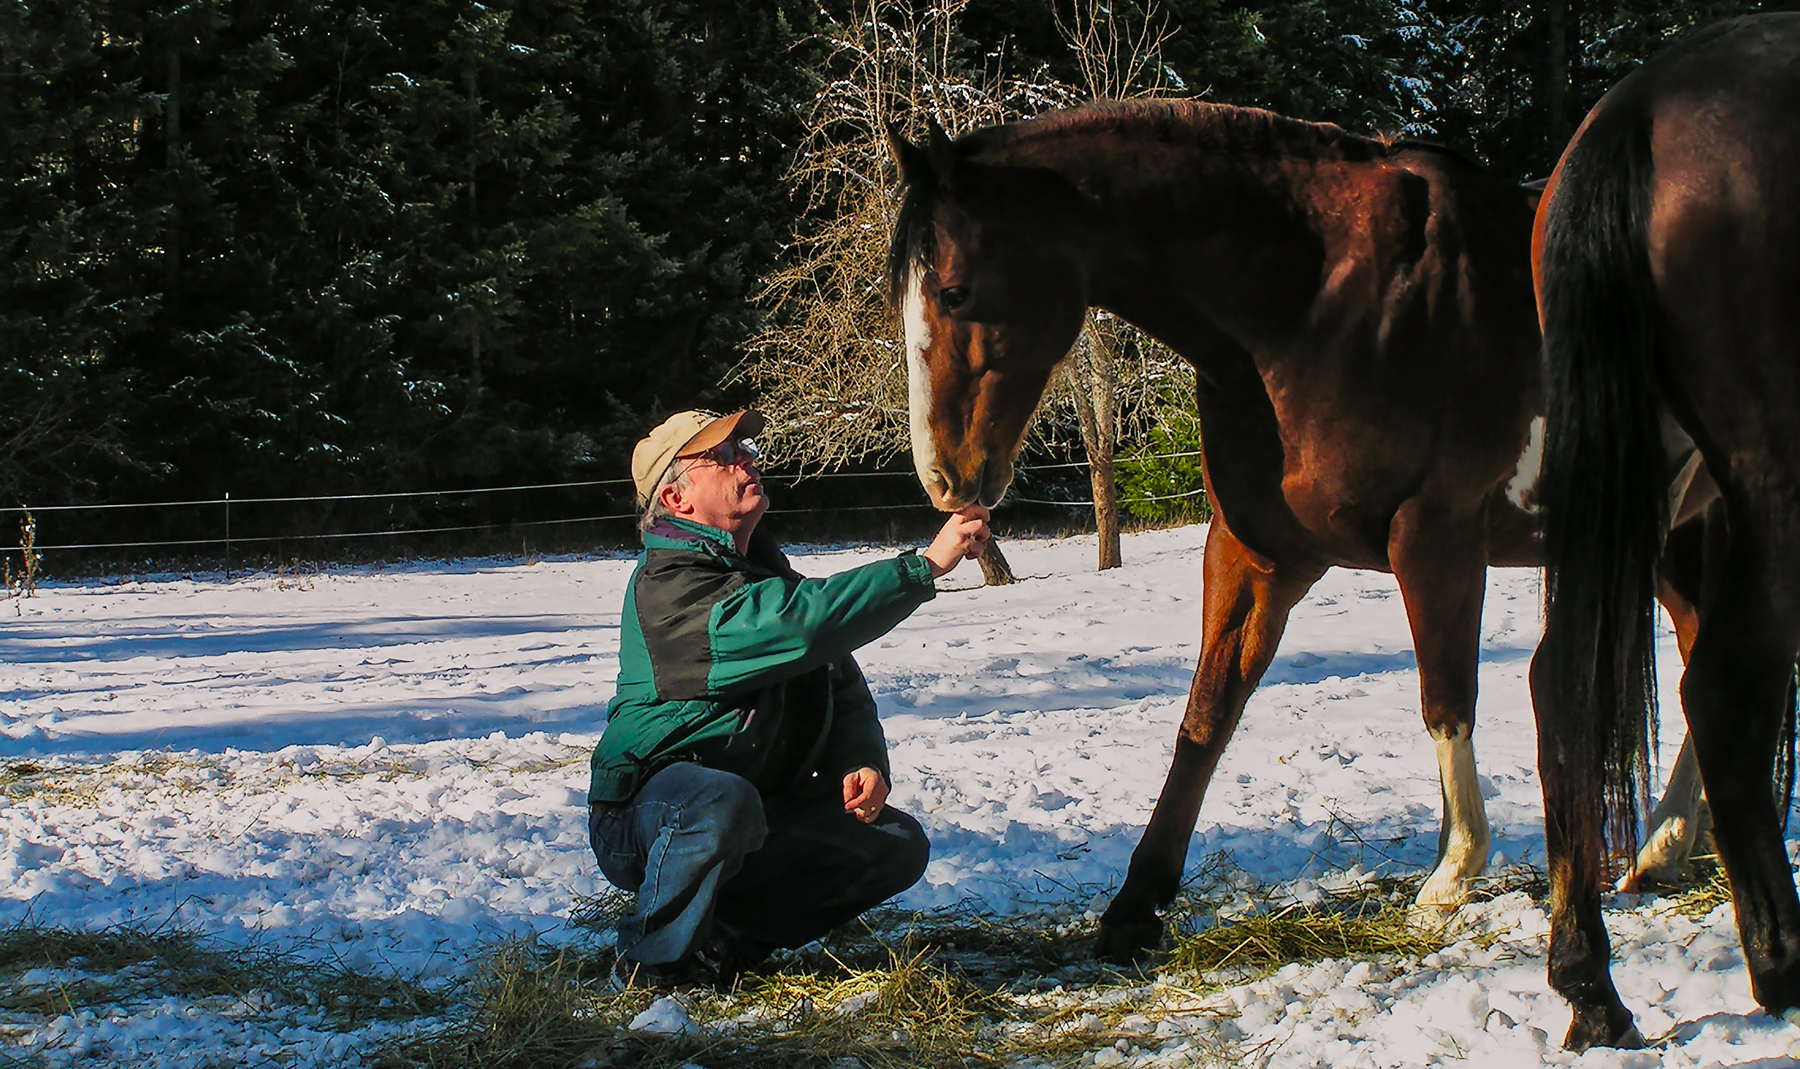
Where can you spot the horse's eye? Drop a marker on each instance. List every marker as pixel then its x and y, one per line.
pixel 953 297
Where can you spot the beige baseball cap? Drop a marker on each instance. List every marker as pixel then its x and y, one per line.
pixel 686 434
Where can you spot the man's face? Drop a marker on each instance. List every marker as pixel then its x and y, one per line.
pixel 724 490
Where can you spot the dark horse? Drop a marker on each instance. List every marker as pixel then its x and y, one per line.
pixel 1361 320
pixel 1668 264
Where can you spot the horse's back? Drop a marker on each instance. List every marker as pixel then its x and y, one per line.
pixel 1668 256
pixel 1672 228
pixel 1723 235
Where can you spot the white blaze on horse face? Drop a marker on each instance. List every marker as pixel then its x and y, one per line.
pixel 1466 837
pixel 918 380
pixel 1522 490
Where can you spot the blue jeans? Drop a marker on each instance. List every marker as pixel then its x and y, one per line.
pixel 702 848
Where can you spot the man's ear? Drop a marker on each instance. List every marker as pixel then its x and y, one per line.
pixel 671 498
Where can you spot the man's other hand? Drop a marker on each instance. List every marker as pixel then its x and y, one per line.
pixel 964 536
pixel 865 792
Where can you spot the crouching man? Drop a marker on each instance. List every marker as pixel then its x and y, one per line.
pixel 740 787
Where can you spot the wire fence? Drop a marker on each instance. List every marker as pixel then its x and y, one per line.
pixel 228 540
pixel 229 500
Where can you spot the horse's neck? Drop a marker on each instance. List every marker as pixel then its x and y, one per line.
pixel 1218 269
pixel 1228 261
pixel 1234 241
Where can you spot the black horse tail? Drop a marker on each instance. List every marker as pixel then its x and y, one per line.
pixel 1604 502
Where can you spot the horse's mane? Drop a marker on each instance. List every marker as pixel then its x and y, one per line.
pixel 1219 128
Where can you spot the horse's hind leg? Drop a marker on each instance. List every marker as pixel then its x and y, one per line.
pixel 1736 692
pixel 1680 814
pixel 1247 602
pixel 1570 765
pixel 1440 560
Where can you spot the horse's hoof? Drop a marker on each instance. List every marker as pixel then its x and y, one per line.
pixel 1642 878
pixel 1429 918
pixel 1663 859
pixel 1598 1028
pixel 1444 892
pixel 1128 943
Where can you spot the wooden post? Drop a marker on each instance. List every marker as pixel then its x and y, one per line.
pixel 1095 403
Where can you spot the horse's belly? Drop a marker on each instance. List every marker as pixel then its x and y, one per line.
pixel 1348 529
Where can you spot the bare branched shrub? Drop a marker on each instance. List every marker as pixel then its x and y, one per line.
pixel 290 577
pixel 1120 58
pixel 23 583
pixel 831 370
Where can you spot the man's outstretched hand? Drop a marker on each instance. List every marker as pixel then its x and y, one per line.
pixel 865 792
pixel 964 536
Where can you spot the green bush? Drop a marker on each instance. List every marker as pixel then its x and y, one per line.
pixel 1159 489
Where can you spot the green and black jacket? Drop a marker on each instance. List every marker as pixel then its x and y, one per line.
pixel 741 664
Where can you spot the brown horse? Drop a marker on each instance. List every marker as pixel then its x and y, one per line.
pixel 1668 271
pixel 1361 320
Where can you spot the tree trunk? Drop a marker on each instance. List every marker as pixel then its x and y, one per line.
pixel 1095 404
pixel 1106 507
pixel 994 569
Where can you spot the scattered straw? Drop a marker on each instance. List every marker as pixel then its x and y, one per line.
pixel 601 912
pixel 1711 890
pixel 917 1007
pixel 990 950
pixel 110 965
pixel 534 1009
pixel 1267 941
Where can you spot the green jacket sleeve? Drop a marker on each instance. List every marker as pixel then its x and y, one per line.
pixel 773 629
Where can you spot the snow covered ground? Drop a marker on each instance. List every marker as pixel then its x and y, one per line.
pixel 386 768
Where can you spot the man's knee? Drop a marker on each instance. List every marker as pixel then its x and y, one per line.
pixel 904 857
pixel 704 809
pixel 706 802
pixel 726 803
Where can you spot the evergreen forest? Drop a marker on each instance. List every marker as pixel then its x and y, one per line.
pixel 327 247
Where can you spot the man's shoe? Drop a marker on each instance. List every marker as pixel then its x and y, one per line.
pixel 716 963
pixel 690 972
pixel 733 953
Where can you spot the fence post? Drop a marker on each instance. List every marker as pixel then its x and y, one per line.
pixel 228 538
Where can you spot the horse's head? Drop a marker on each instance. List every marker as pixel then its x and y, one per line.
pixel 984 265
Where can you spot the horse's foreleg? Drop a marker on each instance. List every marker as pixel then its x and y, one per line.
pixel 1247 602
pixel 1440 560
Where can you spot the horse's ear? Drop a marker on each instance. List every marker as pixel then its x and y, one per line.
pixel 941 153
pixel 910 157
pixel 1534 191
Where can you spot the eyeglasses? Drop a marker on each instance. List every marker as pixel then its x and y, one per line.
pixel 726 454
